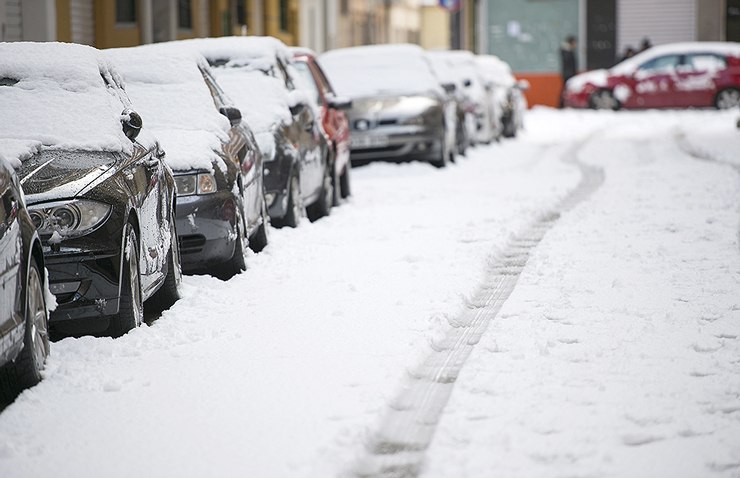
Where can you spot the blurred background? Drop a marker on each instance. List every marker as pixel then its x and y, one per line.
pixel 525 33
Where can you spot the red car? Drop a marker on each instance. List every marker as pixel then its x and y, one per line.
pixel 677 75
pixel 333 118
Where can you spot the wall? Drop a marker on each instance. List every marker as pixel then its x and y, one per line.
pixel 435 28
pixel 662 21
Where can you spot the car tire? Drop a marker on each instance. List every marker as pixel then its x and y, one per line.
pixel 604 100
pixel 322 206
pixel 169 292
pixel 25 370
pixel 727 99
pixel 444 158
pixel 131 309
pixel 259 239
pixel 345 190
pixel 295 209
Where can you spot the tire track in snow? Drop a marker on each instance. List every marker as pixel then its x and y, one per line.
pixel 408 425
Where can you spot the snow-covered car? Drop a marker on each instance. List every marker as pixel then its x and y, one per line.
pixel 24 321
pixel 217 165
pixel 97 191
pixel 676 75
pixel 332 112
pixel 508 93
pixel 398 105
pixel 460 108
pixel 257 72
pixel 481 92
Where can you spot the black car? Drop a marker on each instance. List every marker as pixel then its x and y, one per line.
pixel 299 163
pixel 221 210
pixel 98 193
pixel 24 338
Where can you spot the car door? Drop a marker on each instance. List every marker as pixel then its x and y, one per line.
pixel 655 82
pixel 696 78
pixel 11 253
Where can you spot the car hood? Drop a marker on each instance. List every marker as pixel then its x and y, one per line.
pixel 59 174
pixel 391 106
pixel 596 78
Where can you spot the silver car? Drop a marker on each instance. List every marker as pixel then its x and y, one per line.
pixel 398 105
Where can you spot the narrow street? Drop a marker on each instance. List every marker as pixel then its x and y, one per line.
pixel 561 304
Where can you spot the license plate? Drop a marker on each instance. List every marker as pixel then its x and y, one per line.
pixel 367 141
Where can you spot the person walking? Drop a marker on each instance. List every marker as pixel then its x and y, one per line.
pixel 568 63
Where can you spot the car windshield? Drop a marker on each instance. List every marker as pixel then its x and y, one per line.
pixel 55 96
pixel 362 72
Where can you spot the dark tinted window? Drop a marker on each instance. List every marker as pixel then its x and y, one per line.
pixel 661 63
pixel 185 14
pixel 284 15
pixel 125 11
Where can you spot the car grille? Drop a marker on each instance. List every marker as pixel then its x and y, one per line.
pixel 192 243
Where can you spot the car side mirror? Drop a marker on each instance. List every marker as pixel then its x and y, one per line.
pixel 449 87
pixel 131 123
pixel 467 83
pixel 297 108
pixel 233 114
pixel 340 103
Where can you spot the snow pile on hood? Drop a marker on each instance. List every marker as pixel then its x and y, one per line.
pixel 250 52
pixel 174 101
pixel 495 70
pixel 380 70
pixel 464 65
pixel 595 77
pixel 54 95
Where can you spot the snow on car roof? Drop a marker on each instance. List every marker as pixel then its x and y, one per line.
pixel 630 64
pixel 175 103
pixel 495 69
pixel 253 51
pixel 379 69
pixel 57 95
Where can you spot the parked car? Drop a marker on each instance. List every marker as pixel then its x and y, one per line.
pixel 398 105
pixel 487 126
pixel 24 321
pixel 508 93
pixel 460 108
pixel 217 165
pixel 333 118
pixel 97 191
pixel 299 163
pixel 677 75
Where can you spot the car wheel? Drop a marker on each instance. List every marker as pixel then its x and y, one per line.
pixel 443 159
pixel 169 291
pixel 604 100
pixel 131 308
pixel 259 239
pixel 345 190
pixel 295 209
pixel 727 99
pixel 322 207
pixel 25 371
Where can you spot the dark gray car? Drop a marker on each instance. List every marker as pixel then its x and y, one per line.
pixel 398 105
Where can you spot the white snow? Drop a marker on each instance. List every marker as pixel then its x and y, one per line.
pixel 615 355
pixel 379 70
pixel 169 92
pixel 54 95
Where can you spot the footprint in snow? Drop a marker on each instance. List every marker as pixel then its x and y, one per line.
pixel 639 439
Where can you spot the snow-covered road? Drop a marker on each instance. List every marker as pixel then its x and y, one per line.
pixel 617 352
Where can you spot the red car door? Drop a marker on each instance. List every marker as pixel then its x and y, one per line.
pixel 696 85
pixel 655 83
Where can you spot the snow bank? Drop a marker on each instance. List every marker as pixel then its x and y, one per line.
pixel 53 95
pixel 169 92
pixel 379 70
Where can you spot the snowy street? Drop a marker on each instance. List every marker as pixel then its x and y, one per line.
pixel 566 303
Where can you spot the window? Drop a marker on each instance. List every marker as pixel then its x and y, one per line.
pixel 706 62
pixel 185 14
pixel 308 79
pixel 125 11
pixel 284 15
pixel 241 13
pixel 661 63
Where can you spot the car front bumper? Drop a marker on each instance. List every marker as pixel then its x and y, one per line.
pixel 420 143
pixel 206 230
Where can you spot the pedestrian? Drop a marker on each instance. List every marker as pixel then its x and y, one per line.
pixel 629 52
pixel 645 44
pixel 568 63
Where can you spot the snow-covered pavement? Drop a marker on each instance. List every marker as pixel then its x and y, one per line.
pixel 617 352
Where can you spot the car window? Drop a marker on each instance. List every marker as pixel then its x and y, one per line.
pixel 661 63
pixel 282 74
pixel 705 62
pixel 308 79
pixel 325 85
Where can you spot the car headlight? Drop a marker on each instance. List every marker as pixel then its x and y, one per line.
pixel 72 218
pixel 200 183
pixel 413 120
